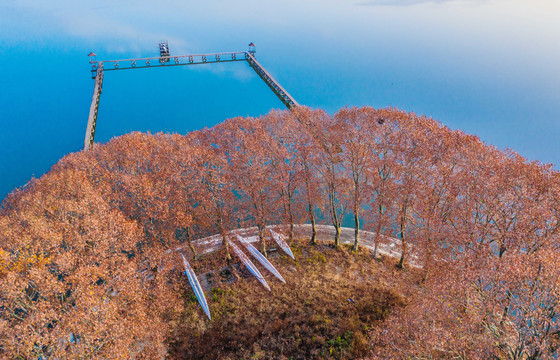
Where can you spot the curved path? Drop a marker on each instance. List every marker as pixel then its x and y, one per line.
pixel 388 246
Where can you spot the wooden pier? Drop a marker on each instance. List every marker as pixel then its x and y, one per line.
pixel 165 60
pixel 278 90
pixel 92 119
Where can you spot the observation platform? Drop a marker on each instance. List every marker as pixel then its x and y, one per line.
pixel 98 68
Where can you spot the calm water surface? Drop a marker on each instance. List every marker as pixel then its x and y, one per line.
pixel 491 68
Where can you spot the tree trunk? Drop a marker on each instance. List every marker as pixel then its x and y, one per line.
pixel 291 216
pixel 356 232
pixel 356 211
pixel 313 228
pixel 291 235
pixel 378 231
pixel 224 237
pixel 337 236
pixel 403 239
pixel 191 246
pixel 261 228
pixel 334 217
pixel 400 265
pixel 226 245
pixel 376 240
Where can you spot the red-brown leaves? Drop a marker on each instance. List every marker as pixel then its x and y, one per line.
pixel 85 267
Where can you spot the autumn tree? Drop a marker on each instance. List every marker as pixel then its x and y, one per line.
pixel 306 158
pixel 380 189
pixel 357 154
pixel 216 197
pixel 287 171
pixel 409 164
pixel 436 193
pixel 244 143
pixel 328 133
pixel 63 295
pixel 88 267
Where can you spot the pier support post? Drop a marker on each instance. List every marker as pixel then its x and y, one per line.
pixel 92 119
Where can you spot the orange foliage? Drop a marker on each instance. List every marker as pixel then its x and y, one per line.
pixel 86 272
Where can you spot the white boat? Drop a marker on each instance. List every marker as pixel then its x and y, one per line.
pixel 196 287
pixel 282 243
pixel 264 261
pixel 252 268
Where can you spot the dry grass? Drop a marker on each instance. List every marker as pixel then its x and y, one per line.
pixel 309 317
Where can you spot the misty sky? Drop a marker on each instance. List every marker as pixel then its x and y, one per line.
pixel 491 68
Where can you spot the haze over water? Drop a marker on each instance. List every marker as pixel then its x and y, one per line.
pixel 490 68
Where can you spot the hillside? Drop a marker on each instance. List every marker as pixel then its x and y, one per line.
pixel 331 300
pixel 89 267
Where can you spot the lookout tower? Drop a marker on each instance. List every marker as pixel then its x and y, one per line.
pixel 93 61
pixel 163 52
pixel 252 49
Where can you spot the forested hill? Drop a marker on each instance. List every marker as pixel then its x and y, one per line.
pixel 84 263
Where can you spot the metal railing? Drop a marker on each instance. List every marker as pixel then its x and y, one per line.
pixel 99 67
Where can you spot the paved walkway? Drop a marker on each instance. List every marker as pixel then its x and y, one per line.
pixel 388 246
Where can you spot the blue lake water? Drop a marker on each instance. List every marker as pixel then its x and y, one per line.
pixel 491 68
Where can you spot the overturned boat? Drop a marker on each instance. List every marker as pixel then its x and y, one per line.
pixel 196 287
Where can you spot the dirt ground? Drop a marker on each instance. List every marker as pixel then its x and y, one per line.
pixel 331 299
